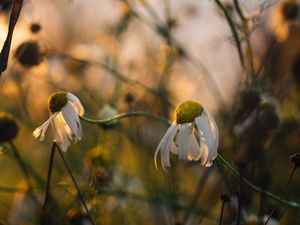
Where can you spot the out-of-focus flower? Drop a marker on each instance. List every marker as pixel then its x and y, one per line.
pixel 285 18
pixel 106 112
pixel 29 54
pixel 64 108
pixel 193 135
pixel 8 127
pixel 248 101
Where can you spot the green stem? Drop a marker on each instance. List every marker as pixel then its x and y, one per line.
pixel 283 191
pixel 255 188
pixel 49 175
pixel 233 30
pixel 75 184
pixel 126 115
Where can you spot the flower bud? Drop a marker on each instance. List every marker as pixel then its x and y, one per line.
pixel 8 127
pixel 225 198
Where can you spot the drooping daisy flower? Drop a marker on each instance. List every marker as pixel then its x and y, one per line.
pixel 193 135
pixel 64 108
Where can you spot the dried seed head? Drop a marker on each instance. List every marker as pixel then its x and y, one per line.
pixel 268 117
pixel 290 10
pixel 295 158
pixel 57 101
pixel 8 127
pixel 248 101
pixel 5 5
pixel 187 111
pixel 35 28
pixel 28 54
pixel 225 198
pixel 129 98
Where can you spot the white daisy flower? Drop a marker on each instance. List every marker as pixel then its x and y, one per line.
pixel 193 135
pixel 64 108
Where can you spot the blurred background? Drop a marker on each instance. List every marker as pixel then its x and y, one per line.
pixel 150 55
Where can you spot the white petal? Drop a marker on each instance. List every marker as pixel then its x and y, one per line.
pixel 41 130
pixel 71 118
pixel 76 103
pixel 213 126
pixel 174 149
pixel 184 131
pixel 204 154
pixel 194 148
pixel 165 148
pixel 163 141
pixel 61 133
pixel 202 125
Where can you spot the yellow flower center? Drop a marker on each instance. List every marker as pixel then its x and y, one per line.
pixel 187 111
pixel 57 101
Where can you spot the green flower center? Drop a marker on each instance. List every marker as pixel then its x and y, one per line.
pixel 57 101
pixel 187 111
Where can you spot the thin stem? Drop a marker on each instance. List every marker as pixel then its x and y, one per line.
pixel 49 176
pixel 76 185
pixel 282 193
pixel 221 214
pixel 233 30
pixel 21 163
pixel 255 188
pixel 240 198
pixel 239 10
pixel 126 115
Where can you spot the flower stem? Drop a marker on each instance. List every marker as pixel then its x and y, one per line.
pixel 240 198
pixel 76 185
pixel 255 188
pixel 233 30
pixel 126 115
pixel 282 193
pixel 221 214
pixel 49 176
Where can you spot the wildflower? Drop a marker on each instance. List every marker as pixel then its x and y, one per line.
pixel 64 108
pixel 193 135
pixel 8 127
